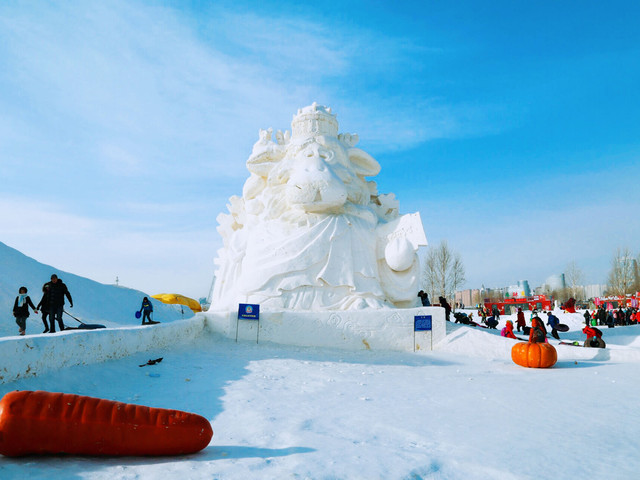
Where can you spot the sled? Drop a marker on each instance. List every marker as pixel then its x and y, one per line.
pixel 562 327
pixel 83 326
pixel 572 344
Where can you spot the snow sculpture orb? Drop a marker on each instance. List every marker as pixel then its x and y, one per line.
pixel 310 232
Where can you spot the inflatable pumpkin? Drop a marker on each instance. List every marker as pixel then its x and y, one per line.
pixel 534 355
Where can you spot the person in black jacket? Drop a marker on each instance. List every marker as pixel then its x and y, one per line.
pixel 57 292
pixel 447 307
pixel 424 297
pixel 43 306
pixel 147 310
pixel 21 309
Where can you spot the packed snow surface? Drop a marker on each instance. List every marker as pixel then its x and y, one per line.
pixel 292 412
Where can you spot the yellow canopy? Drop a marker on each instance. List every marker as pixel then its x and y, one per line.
pixel 175 298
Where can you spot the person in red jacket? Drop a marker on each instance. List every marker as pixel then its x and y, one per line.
pixel 594 337
pixel 520 321
pixel 507 331
pixel 538 333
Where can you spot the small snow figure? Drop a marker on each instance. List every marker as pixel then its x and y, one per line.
pixel 21 309
pixel 507 331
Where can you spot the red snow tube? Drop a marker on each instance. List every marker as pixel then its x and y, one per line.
pixel 51 423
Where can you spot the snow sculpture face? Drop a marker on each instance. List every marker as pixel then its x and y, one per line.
pixel 310 232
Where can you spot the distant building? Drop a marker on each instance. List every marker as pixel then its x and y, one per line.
pixel 468 297
pixel 594 291
pixel 556 282
pixel 519 290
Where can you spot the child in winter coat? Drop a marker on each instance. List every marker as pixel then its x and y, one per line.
pixel 147 310
pixel 21 309
pixel 507 330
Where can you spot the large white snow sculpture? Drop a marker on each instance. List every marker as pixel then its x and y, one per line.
pixel 310 232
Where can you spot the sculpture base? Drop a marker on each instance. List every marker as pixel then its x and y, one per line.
pixel 368 329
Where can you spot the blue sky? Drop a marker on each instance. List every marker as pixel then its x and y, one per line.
pixel 513 127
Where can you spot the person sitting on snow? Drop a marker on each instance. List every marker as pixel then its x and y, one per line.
pixel 507 330
pixel 537 334
pixel 594 337
pixel 553 322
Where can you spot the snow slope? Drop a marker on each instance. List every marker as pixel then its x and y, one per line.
pixel 93 302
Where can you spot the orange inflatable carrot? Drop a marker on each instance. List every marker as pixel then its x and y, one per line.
pixel 50 423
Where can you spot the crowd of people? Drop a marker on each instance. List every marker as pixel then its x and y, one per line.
pixel 51 305
pixel 612 317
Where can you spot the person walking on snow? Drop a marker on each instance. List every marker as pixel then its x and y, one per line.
pixel 520 321
pixel 553 322
pixel 43 306
pixel 57 292
pixel 21 309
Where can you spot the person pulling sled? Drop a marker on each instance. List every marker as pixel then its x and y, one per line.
pixel 147 310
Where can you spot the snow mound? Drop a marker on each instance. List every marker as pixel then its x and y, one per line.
pixel 93 302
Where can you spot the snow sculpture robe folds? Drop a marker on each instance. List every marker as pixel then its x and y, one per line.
pixel 310 232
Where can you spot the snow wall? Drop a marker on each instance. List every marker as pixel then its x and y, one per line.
pixel 33 355
pixel 384 329
pixel 375 329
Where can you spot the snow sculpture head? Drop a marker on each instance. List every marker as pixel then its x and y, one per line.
pixel 310 232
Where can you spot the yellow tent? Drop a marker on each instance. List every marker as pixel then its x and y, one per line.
pixel 175 298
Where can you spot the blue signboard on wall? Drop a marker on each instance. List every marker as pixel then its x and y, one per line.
pixel 249 311
pixel 422 323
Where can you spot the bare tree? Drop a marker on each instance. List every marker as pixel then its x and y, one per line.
pixel 623 274
pixel 574 277
pixel 443 271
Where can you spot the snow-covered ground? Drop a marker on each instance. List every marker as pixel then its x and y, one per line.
pixel 285 412
pixel 464 411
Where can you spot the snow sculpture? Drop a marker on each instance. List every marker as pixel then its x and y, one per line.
pixel 310 232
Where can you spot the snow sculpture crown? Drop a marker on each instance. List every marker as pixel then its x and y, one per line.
pixel 312 121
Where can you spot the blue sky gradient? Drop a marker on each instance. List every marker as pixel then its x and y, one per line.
pixel 513 127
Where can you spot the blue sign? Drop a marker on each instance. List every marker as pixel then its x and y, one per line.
pixel 421 323
pixel 249 311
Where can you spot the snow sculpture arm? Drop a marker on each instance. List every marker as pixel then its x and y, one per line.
pixel 398 263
